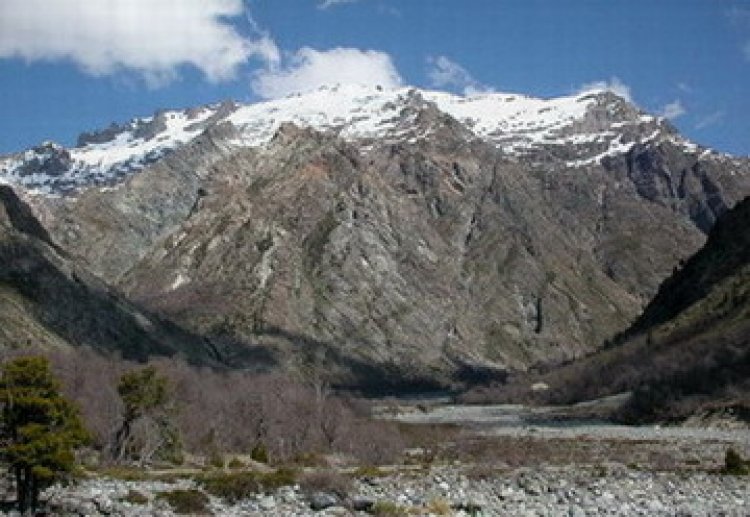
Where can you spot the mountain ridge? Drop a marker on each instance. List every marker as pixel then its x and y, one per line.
pixel 431 248
pixel 513 122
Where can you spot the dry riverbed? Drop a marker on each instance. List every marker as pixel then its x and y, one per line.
pixel 483 460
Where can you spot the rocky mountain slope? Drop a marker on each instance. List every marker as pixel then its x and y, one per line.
pixel 46 300
pixel 388 237
pixel 689 351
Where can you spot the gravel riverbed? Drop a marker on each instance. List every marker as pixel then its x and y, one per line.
pixel 452 490
pixel 494 460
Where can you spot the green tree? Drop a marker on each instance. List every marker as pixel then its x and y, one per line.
pixel 40 428
pixel 147 428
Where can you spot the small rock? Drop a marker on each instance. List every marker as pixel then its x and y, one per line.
pixel 267 503
pixel 322 500
pixel 576 511
pixel 362 504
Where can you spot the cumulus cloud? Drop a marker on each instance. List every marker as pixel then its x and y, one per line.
pixel 614 85
pixel 325 4
pixel 673 110
pixel 445 73
pixel 152 38
pixel 308 69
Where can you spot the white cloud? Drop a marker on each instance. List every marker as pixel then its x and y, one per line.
pixel 614 85
pixel 673 110
pixel 445 73
pixel 710 120
pixel 685 87
pixel 308 69
pixel 325 4
pixel 152 38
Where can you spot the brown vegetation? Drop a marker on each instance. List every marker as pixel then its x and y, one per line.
pixel 272 418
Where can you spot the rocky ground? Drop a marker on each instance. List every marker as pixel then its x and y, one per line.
pixel 494 463
pixel 451 490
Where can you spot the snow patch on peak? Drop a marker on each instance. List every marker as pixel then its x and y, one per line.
pixel 577 129
pixel 106 157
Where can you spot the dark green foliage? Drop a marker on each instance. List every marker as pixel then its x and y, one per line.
pixel 734 464
pixel 259 453
pixel 146 398
pixel 185 502
pixel 40 428
pixel 142 391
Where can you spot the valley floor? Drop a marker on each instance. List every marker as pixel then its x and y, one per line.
pixel 486 461
pixel 610 489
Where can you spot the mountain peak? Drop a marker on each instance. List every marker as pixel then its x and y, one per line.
pixel 579 129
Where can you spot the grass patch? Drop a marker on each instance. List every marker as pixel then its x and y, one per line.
pixel 369 471
pixel 439 506
pixel 185 502
pixel 235 486
pixel 138 474
pixel 389 509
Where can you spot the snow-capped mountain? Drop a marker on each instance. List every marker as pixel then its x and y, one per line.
pixel 384 237
pixel 579 130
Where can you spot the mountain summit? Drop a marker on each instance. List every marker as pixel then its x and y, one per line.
pixel 387 238
pixel 584 129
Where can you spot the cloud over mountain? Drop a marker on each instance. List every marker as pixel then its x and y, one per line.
pixel 614 85
pixel 151 38
pixel 443 72
pixel 673 110
pixel 308 69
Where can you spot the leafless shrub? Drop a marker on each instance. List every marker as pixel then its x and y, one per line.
pixel 326 481
pixel 232 412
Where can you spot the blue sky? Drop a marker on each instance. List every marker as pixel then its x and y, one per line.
pixel 72 65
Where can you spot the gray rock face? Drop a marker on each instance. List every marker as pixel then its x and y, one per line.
pixel 48 300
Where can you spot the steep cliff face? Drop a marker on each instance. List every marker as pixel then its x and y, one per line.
pixel 402 237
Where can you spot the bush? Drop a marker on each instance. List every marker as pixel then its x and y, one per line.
pixel 235 486
pixel 216 460
pixel 276 419
pixel 734 464
pixel 235 463
pixel 259 453
pixel 187 501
